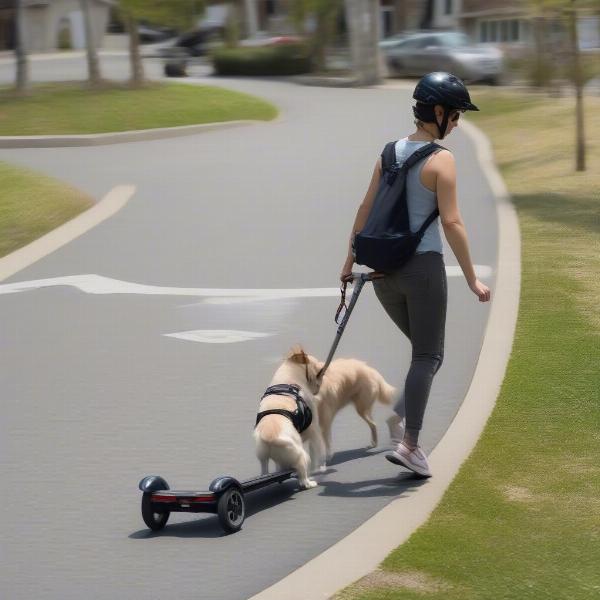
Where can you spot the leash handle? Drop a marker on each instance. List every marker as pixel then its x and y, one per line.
pixel 351 278
pixel 342 305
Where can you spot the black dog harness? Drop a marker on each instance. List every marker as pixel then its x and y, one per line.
pixel 301 417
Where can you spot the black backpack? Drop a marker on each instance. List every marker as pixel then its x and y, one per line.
pixel 386 241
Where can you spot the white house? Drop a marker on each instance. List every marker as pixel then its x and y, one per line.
pixel 51 24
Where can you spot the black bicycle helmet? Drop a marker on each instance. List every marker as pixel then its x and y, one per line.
pixel 444 89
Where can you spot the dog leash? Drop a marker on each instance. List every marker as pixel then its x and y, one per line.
pixel 358 280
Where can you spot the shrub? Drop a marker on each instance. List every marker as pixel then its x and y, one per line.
pixel 280 59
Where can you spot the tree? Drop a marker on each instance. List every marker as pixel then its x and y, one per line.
pixel 22 79
pixel 94 76
pixel 578 82
pixel 570 11
pixel 178 14
pixel 324 14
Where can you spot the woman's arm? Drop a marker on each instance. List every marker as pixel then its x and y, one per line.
pixel 452 223
pixel 361 216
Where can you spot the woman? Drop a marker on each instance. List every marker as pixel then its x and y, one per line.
pixel 415 296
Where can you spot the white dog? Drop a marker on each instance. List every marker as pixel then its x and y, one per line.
pixel 280 437
pixel 351 381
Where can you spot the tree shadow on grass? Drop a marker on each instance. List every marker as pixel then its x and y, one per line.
pixel 560 209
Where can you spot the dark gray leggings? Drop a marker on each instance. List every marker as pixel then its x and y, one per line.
pixel 415 297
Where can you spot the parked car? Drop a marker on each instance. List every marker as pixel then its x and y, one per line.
pixel 413 54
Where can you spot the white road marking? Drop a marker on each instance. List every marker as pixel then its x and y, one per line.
pixel 98 284
pixel 218 336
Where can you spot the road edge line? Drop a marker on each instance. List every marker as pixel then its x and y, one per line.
pixel 110 204
pixel 361 551
pixel 116 137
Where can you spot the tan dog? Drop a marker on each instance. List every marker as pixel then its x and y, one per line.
pixel 351 381
pixel 275 435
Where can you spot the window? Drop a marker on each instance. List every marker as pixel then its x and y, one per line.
pixel 514 31
pixel 453 40
pixel 502 30
pixel 410 44
pixel 448 7
pixel 429 40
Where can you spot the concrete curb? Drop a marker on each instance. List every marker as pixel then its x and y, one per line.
pixel 108 206
pixel 119 137
pixel 8 57
pixel 362 551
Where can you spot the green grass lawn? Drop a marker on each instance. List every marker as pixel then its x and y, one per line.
pixel 32 205
pixel 69 108
pixel 522 518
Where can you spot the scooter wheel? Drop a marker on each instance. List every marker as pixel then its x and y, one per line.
pixel 231 509
pixel 156 521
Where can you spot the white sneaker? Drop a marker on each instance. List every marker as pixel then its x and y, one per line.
pixel 396 427
pixel 415 460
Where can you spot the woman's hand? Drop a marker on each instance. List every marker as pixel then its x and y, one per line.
pixel 480 290
pixel 346 269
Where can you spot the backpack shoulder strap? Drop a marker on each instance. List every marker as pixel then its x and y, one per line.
pixel 428 221
pixel 388 156
pixel 421 153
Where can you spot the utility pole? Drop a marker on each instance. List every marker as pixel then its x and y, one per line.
pixel 92 56
pixel 22 80
pixel 362 18
pixel 251 18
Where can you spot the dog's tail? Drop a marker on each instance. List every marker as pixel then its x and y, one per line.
pixel 386 393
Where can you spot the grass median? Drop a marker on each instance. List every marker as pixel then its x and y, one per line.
pixel 521 519
pixel 70 108
pixel 32 205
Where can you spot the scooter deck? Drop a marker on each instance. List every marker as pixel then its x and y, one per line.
pixel 264 480
pixel 204 500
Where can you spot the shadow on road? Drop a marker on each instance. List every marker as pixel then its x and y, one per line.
pixel 392 487
pixel 348 455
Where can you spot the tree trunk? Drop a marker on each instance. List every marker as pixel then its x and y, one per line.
pixel 538 35
pixel 92 56
pixel 578 82
pixel 362 17
pixel 22 78
pixel 135 60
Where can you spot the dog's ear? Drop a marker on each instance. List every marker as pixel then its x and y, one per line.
pixel 298 355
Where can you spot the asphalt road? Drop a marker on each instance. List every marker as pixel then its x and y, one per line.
pixel 96 393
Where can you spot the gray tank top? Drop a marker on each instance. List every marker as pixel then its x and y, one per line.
pixel 421 201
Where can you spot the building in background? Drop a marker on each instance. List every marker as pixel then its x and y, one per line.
pixel 53 24
pixel 512 24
